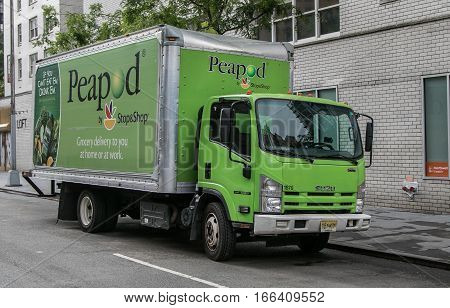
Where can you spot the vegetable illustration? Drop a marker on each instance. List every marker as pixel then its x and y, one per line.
pixel 110 111
pixel 244 83
pixel 46 134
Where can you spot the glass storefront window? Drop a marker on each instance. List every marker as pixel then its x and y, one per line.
pixel 436 103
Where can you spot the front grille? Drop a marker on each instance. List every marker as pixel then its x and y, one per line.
pixel 317 212
pixel 291 203
pixel 291 193
pixel 318 199
pixel 320 194
pixel 319 204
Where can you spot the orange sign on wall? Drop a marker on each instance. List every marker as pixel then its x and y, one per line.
pixel 437 169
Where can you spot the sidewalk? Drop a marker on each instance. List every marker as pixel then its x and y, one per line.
pixel 398 231
pixel 392 230
pixel 44 185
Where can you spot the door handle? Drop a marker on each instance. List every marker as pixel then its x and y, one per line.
pixel 207 170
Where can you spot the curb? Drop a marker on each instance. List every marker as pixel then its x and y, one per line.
pixel 393 255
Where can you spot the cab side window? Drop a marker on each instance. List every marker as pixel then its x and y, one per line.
pixel 216 115
pixel 241 130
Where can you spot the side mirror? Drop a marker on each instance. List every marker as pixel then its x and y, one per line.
pixel 369 137
pixel 225 126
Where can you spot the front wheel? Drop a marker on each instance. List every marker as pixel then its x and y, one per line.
pixel 219 239
pixel 314 242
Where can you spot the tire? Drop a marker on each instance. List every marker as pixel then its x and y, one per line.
pixel 219 239
pixel 313 243
pixel 92 213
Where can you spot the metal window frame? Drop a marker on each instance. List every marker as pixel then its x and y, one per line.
pixel 30 66
pixel 31 30
pixel 19 34
pixel 424 144
pixel 8 65
pixel 336 88
pixel 19 69
pixel 294 16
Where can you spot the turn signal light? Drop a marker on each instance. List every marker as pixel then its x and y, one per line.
pixel 249 92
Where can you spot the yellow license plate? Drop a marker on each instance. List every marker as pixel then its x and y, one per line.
pixel 328 225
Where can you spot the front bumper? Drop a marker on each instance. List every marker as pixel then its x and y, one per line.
pixel 266 224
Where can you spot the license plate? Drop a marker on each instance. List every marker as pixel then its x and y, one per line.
pixel 328 225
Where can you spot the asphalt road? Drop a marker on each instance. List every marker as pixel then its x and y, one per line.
pixel 37 252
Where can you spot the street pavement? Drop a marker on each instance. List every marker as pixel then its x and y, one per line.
pixel 35 251
pixel 392 230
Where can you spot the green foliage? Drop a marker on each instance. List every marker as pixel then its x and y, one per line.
pixel 214 16
pixel 82 29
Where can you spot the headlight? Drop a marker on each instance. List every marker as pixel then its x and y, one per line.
pixel 360 198
pixel 270 201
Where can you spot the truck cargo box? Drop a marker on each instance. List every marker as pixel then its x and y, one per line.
pixel 123 113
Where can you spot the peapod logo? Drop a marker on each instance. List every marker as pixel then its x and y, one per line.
pixel 239 71
pixel 97 87
pixel 110 121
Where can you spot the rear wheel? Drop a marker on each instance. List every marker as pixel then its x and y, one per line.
pixel 314 242
pixel 92 213
pixel 219 239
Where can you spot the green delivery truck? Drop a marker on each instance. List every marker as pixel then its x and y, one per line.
pixel 181 129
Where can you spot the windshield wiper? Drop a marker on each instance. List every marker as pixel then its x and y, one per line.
pixel 340 156
pixel 293 154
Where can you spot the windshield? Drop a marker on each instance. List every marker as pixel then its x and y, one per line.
pixel 308 130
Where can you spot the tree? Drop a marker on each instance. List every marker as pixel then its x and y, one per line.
pixel 243 17
pixel 218 16
pixel 82 29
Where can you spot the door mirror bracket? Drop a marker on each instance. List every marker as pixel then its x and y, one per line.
pixel 368 147
pixel 246 170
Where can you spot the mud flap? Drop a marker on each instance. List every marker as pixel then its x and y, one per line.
pixel 67 209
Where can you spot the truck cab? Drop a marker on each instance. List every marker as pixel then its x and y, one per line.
pixel 282 168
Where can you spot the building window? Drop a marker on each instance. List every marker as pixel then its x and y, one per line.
pixel 19 34
pixel 8 68
pixel 19 5
pixel 33 60
pixel 327 93
pixel 19 69
pixel 308 19
pixel 436 106
pixel 30 2
pixel 33 28
pixel 264 34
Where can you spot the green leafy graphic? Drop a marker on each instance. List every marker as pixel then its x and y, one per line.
pixel 46 135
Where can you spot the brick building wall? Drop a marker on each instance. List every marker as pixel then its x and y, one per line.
pixel 379 72
pixel 361 15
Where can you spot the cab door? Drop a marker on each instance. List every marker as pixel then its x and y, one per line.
pixel 229 177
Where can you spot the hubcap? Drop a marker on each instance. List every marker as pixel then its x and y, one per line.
pixel 86 211
pixel 212 232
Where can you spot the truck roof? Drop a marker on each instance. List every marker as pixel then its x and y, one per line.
pixel 255 96
pixel 170 35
